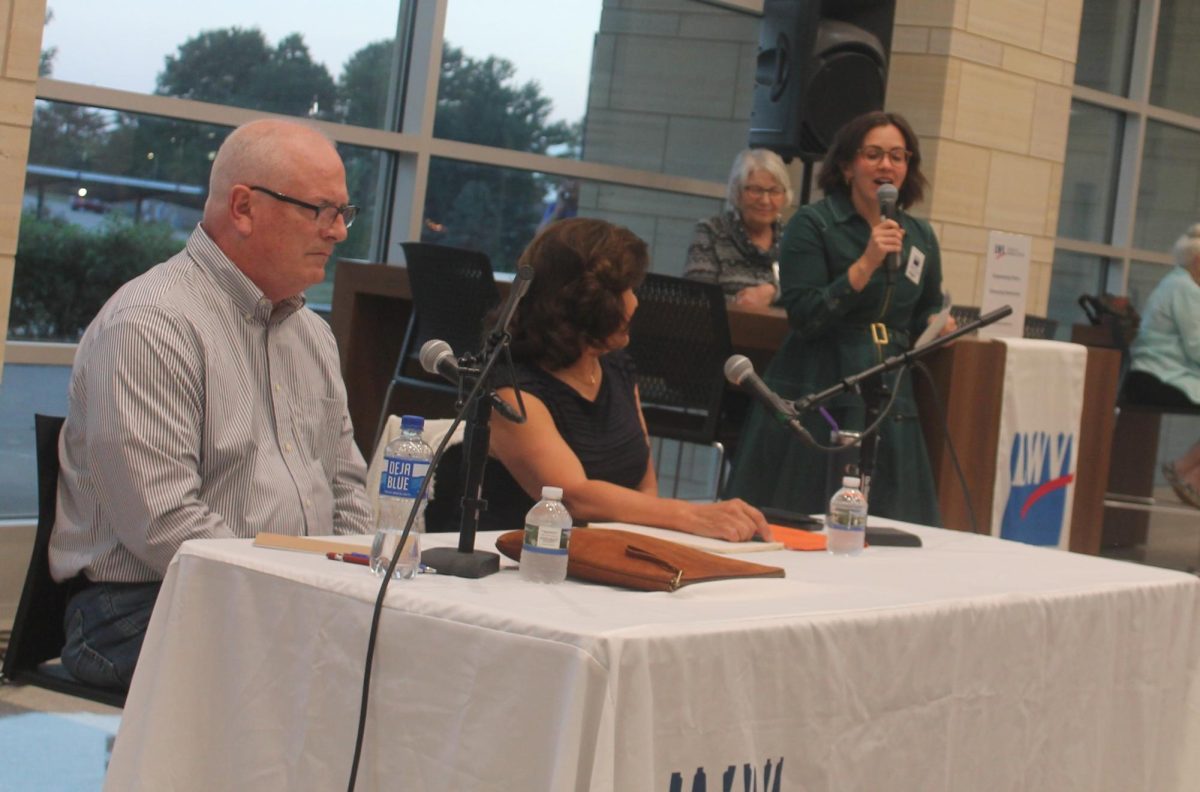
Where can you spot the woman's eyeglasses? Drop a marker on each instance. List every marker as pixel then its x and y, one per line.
pixel 873 155
pixel 756 192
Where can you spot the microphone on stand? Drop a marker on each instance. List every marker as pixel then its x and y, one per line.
pixel 740 372
pixel 888 197
pixel 438 358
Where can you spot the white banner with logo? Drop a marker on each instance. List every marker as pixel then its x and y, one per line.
pixel 1038 445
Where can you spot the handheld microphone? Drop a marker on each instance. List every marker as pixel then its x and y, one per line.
pixel 740 371
pixel 888 196
pixel 438 358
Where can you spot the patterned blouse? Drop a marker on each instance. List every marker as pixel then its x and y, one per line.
pixel 721 252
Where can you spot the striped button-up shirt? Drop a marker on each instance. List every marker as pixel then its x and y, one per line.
pixel 198 409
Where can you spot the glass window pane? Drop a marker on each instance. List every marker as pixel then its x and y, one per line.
pixel 108 195
pixel 1167 193
pixel 1143 277
pixel 295 58
pixel 1175 81
pixel 498 211
pixel 1106 45
pixel 1073 274
pixel 368 181
pixel 23 391
pixel 658 87
pixel 1090 173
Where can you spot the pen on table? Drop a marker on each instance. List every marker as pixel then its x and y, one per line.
pixel 361 559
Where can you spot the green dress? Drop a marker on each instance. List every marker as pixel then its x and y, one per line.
pixel 833 335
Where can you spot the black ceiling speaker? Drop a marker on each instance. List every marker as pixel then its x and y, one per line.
pixel 820 64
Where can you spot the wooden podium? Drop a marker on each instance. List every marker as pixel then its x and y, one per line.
pixel 372 304
pixel 968 379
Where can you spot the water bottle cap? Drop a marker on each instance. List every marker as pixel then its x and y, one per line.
pixel 413 423
pixel 851 481
pixel 552 493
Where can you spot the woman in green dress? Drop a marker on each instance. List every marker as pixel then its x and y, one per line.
pixel 847 312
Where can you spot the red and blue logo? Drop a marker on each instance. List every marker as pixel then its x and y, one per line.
pixel 1040 466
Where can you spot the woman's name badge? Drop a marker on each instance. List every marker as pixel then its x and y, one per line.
pixel 916 265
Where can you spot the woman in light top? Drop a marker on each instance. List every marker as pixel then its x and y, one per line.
pixel 1164 368
pixel 739 248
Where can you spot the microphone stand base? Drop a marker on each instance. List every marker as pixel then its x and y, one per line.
pixel 451 561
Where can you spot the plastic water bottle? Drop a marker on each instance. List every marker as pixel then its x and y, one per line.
pixel 846 521
pixel 406 463
pixel 547 534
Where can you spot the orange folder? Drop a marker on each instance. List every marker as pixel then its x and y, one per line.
pixel 796 539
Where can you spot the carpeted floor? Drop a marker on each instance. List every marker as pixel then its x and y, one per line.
pixel 51 742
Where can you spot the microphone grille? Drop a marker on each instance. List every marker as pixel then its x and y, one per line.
pixel 737 367
pixel 431 352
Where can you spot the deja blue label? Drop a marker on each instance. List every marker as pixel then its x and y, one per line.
pixel 402 478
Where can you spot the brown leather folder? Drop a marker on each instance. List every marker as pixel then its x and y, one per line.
pixel 630 560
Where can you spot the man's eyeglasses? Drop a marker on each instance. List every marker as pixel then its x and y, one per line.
pixel 325 213
pixel 873 154
pixel 756 192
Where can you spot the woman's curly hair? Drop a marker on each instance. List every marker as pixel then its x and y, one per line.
pixel 582 267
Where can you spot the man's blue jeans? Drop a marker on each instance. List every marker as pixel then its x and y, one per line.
pixel 105 625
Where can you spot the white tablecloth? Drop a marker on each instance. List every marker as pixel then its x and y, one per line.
pixel 969 664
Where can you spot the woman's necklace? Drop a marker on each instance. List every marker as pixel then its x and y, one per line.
pixel 591 377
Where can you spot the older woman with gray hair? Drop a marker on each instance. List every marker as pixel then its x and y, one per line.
pixel 739 248
pixel 1164 367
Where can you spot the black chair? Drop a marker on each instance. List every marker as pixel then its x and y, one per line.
pixel 37 635
pixel 679 340
pixel 452 291
pixel 1129 499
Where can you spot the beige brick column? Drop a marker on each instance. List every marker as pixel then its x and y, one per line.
pixel 20 49
pixel 987 86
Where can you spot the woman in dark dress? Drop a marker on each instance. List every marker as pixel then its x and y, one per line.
pixel 848 312
pixel 585 432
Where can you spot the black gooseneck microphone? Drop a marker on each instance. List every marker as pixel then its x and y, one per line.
pixel 888 197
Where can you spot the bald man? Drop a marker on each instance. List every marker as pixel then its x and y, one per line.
pixel 206 400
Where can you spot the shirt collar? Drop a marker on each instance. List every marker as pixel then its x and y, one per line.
pixel 842 207
pixel 247 298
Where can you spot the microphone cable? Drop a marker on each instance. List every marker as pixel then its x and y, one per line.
pixel 811 441
pixel 377 613
pixel 941 411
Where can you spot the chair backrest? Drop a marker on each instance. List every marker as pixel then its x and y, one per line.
pixel 679 340
pixel 452 289
pixel 38 634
